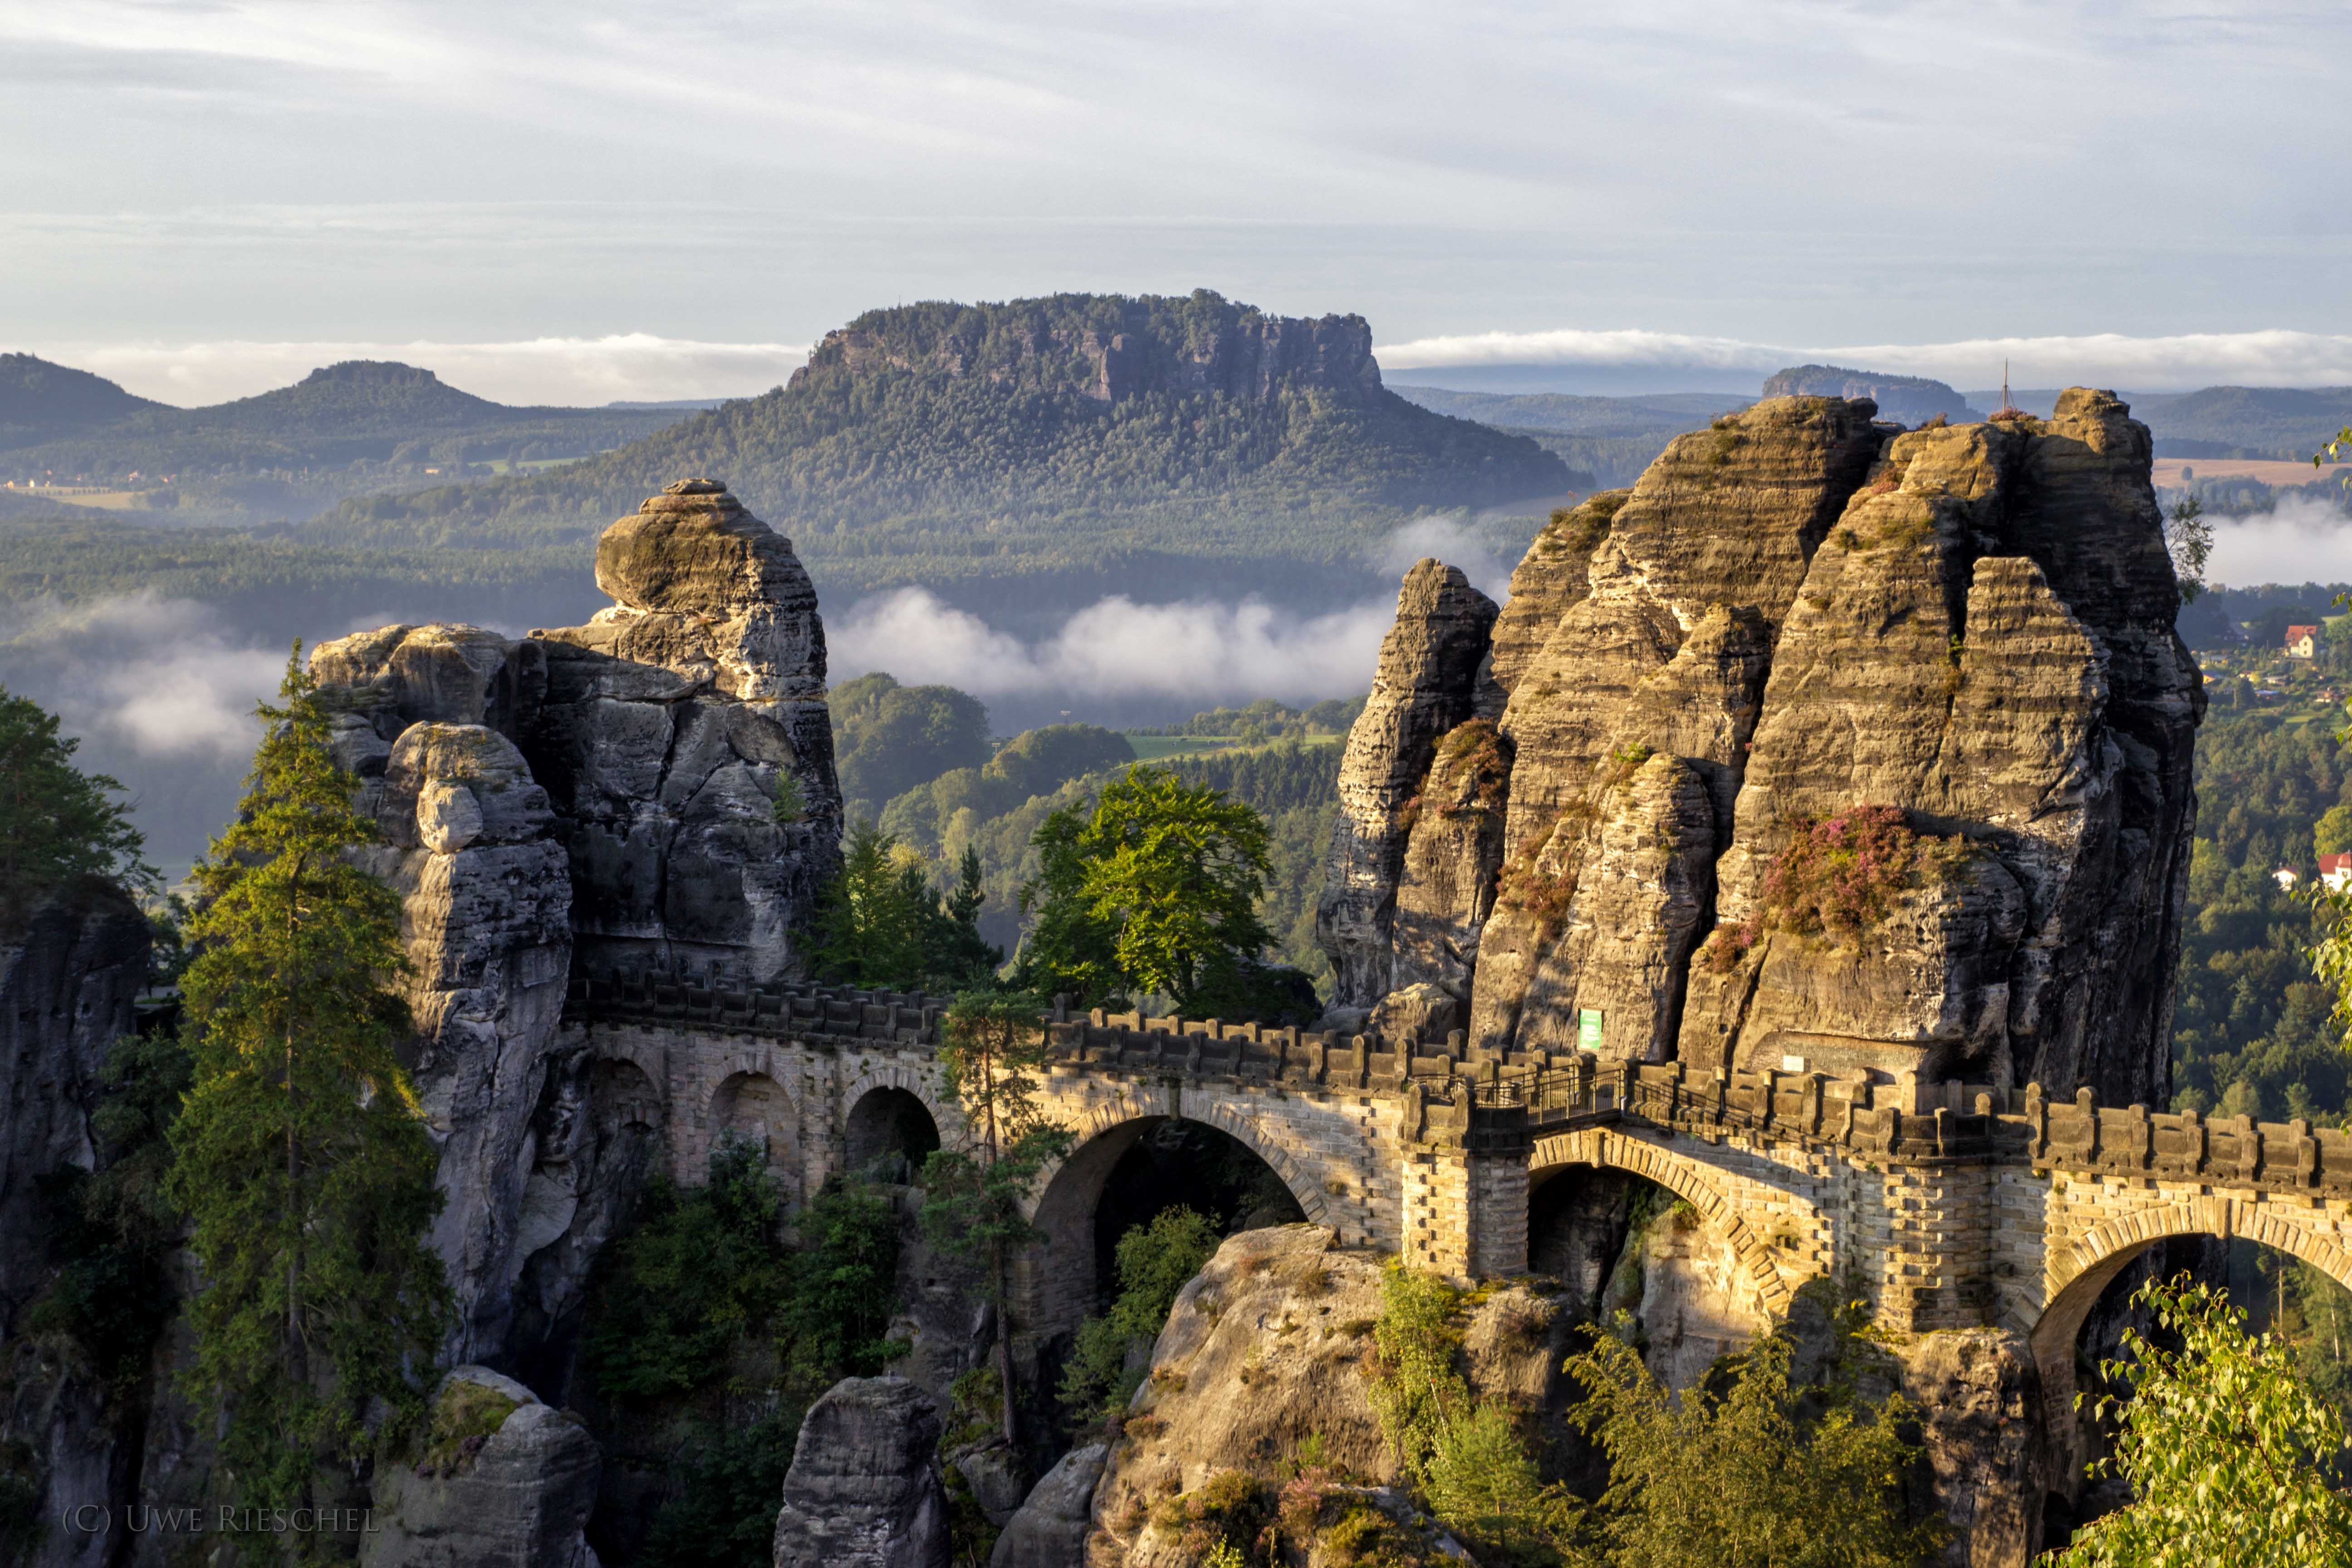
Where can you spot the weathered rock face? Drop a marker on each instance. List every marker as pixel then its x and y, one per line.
pixel 517 1498
pixel 1050 1528
pixel 1268 1348
pixel 1983 1440
pixel 1428 684
pixel 864 1491
pixel 1795 613
pixel 469 843
pixel 69 973
pixel 655 789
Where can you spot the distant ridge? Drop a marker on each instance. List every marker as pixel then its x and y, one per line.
pixel 1909 399
pixel 1074 443
pixel 39 399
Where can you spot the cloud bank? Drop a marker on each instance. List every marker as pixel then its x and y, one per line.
pixel 2305 541
pixel 1116 649
pixel 2173 363
pixel 576 372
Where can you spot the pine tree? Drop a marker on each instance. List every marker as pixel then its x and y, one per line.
pixel 56 824
pixel 994 1052
pixel 301 1153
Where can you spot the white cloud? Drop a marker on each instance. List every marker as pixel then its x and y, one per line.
pixel 2177 362
pixel 2304 541
pixel 623 367
pixel 162 678
pixel 1114 648
pixel 1456 543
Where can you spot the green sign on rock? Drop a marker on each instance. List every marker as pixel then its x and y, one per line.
pixel 1587 1029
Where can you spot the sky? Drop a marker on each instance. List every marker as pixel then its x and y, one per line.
pixel 616 198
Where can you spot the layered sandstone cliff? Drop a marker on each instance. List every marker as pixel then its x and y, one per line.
pixel 653 790
pixel 1797 620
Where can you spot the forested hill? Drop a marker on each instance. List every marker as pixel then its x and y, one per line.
pixel 76 425
pixel 1072 440
pixel 39 399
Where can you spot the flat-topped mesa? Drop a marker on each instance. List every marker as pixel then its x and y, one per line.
pixel 1948 652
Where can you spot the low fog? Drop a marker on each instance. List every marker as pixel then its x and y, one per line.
pixel 161 692
pixel 2304 541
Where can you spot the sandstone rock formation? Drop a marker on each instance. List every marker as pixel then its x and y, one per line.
pixel 1427 684
pixel 652 790
pixel 517 1497
pixel 1265 1357
pixel 1982 1439
pixel 70 969
pixel 1797 614
pixel 864 1491
pixel 1049 1531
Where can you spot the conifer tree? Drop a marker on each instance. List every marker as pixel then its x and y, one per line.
pixel 301 1154
pixel 992 1054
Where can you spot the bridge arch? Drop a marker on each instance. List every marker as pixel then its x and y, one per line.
pixel 1058 1284
pixel 1698 1183
pixel 2077 1273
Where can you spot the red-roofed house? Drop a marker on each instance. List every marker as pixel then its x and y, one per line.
pixel 2301 642
pixel 2336 870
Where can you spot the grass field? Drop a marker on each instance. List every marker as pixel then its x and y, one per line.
pixel 2269 471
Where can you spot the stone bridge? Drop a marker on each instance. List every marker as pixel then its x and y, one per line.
pixel 1945 1206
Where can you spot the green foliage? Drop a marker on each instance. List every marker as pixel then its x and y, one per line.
pixel 2250 1029
pixel 58 825
pixel 1038 762
pixel 2230 1458
pixel 1154 1263
pixel 888 737
pixel 300 1153
pixel 1737 1478
pixel 1155 889
pixel 692 1293
pixel 1466 1456
pixel 837 1320
pixel 109 1229
pixel 724 1515
pixel 1267 720
pixel 464 1416
pixel 992 1054
pixel 1419 1389
pixel 700 1270
pixel 879 923
pixel 1480 1481
pixel 2190 539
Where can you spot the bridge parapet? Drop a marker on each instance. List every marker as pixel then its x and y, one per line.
pixel 1912 1122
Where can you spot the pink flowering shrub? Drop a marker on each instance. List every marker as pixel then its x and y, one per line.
pixel 1839 876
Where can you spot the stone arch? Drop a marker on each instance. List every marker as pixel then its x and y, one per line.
pixel 1687 1179
pixel 919 1080
pixel 2077 1273
pixel 1057 1285
pixel 651 1062
pixel 888 1124
pixel 753 1105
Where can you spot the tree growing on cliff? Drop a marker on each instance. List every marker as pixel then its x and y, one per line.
pixel 880 922
pixel 2230 1455
pixel 993 1048
pixel 300 1154
pixel 1734 1478
pixel 57 824
pixel 1155 890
